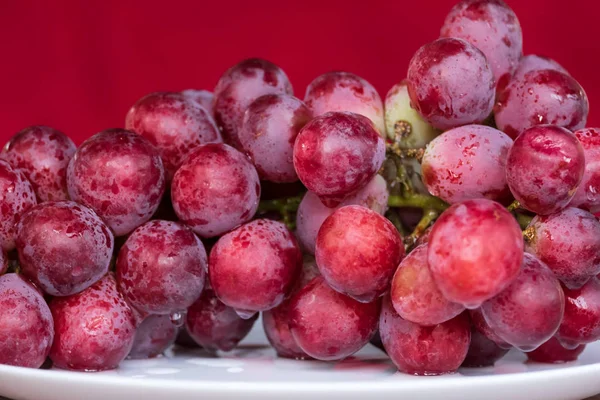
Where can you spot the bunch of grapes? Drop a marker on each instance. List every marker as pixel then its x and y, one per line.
pixel 453 220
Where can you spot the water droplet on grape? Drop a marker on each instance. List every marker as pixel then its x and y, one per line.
pixel 178 318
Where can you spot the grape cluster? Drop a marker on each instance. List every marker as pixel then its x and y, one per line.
pixel 448 223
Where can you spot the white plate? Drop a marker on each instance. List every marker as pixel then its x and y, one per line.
pixel 254 372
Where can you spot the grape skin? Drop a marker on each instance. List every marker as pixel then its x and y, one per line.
pixel 587 196
pixel 154 335
pixel 581 323
pixel 483 352
pixel 203 98
pixel 552 352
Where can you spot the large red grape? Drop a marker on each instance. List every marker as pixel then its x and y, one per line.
pixel 120 176
pixel 154 335
pixel 475 251
pixel 16 197
pixel 215 190
pixel 467 163
pixel 552 352
pixel 42 154
pixel 451 83
pixel 26 325
pixel 337 154
pixel 581 323
pixel 174 125
pixel 63 247
pixel 588 194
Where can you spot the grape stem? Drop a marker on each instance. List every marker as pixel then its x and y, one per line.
pixel 287 207
pixel 429 216
pixel 523 219
pixel 417 200
pixel 529 234
pixel 514 205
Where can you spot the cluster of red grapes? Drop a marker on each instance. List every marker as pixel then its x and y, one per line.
pixel 451 222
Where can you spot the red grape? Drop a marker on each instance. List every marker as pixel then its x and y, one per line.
pixel 312 212
pixel 467 163
pixel 492 27
pixel 94 329
pixel 63 247
pixel 120 176
pixel 424 350
pixel 17 196
pixel 414 294
pixel 161 268
pixel 482 351
pixel 216 189
pixel 26 325
pixel 588 194
pixel 581 323
pixel 541 97
pixel 215 326
pixel 253 267
pixel 544 168
pixel 42 154
pixel 344 91
pixel 552 352
pixel 174 125
pixel 357 252
pixel 481 325
pixel 337 154
pixel 528 312
pixel 154 335
pixel 328 325
pixel 269 129
pixel 239 86
pixel 451 83
pixel 203 98
pixel 475 251
pixel 569 243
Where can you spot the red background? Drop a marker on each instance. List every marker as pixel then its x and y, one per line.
pixel 79 65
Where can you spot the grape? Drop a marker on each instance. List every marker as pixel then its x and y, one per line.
pixel 544 168
pixel 482 351
pixel 94 329
pixel 26 325
pixel 16 197
pixel 357 252
pixel 269 129
pixel 63 247
pixel 253 267
pixel 528 312
pixel 403 123
pixel 337 154
pixel 481 326
pixel 541 97
pixel 154 335
pixel 552 352
pixel 120 176
pixel 203 98
pixel 415 296
pixel 451 83
pixel 475 251
pixel 161 268
pixel 328 325
pixel 344 91
pixel 581 323
pixel 241 85
pixel 42 154
pixel 569 243
pixel 174 125
pixel 534 62
pixel 491 26
pixel 216 189
pixel 588 193
pixel 276 320
pixel 421 350
pixel 467 163
pixel 215 326
pixel 424 238
pixel 311 212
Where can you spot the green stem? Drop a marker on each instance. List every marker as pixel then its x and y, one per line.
pixel 514 205
pixel 287 207
pixel 416 200
pixel 523 219
pixel 394 218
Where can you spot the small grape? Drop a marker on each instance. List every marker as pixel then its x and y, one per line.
pixel 174 125
pixel 26 324
pixel 269 129
pixel 569 243
pixel 552 352
pixel 541 97
pixel 328 325
pixel 482 351
pixel 203 98
pixel 451 83
pixel 475 251
pixel 588 194
pixel 529 311
pixel 239 86
pixel 544 168
pixel 154 335
pixel 414 294
pixel 344 91
pixel 337 154
pixel 466 163
pixel 42 154
pixel 17 197
pixel 581 323
pixel 215 190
